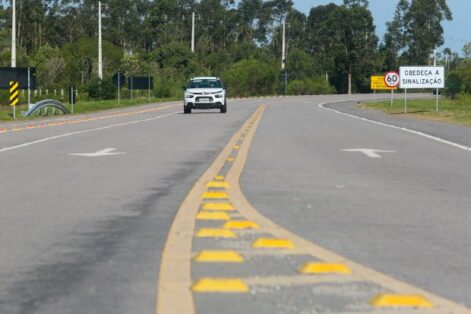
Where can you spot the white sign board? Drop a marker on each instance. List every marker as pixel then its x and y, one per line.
pixel 422 77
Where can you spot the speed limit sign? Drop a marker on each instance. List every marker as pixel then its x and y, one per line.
pixel 391 79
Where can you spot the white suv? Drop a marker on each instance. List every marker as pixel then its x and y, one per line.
pixel 205 93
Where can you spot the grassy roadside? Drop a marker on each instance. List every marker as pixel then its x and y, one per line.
pixel 457 111
pixel 6 112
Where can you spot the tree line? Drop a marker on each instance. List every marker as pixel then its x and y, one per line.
pixel 333 48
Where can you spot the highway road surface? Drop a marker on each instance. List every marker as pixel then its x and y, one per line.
pixel 282 205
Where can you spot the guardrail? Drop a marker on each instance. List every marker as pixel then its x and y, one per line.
pixel 47 103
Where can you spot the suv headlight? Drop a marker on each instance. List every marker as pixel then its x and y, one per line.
pixel 219 95
pixel 188 95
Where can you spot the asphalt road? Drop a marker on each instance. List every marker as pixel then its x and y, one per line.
pixel 83 234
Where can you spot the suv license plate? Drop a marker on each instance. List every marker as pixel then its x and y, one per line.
pixel 204 99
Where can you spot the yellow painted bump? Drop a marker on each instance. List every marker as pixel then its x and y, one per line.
pixel 325 268
pixel 215 233
pixel 219 257
pixel 398 300
pixel 218 184
pixel 241 224
pixel 219 285
pixel 215 195
pixel 230 159
pixel 219 178
pixel 218 206
pixel 236 147
pixel 214 215
pixel 273 243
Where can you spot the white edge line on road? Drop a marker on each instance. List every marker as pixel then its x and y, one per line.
pixel 51 138
pixel 431 137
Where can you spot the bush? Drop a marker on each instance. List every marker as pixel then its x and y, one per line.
pixel 251 77
pixel 101 89
pixel 454 85
pixel 310 86
pixel 167 88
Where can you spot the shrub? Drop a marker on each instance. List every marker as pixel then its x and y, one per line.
pixel 454 85
pixel 310 86
pixel 101 89
pixel 250 77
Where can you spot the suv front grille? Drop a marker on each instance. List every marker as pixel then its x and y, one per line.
pixel 204 99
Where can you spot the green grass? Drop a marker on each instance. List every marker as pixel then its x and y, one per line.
pixel 457 111
pixel 6 112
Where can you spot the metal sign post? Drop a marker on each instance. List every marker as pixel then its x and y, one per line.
pixel 405 101
pixel 436 105
pixel 119 88
pixel 392 97
pixel 149 85
pixel 72 97
pixel 29 88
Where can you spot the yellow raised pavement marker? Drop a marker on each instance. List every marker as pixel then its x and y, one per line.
pixel 218 184
pixel 219 178
pixel 269 243
pixel 219 257
pixel 230 159
pixel 236 147
pixel 325 268
pixel 218 206
pixel 215 233
pixel 212 215
pixel 241 224
pixel 215 195
pixel 400 300
pixel 219 285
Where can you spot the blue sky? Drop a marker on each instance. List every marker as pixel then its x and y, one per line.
pixel 457 32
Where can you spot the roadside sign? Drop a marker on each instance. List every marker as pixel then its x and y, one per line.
pixel 422 77
pixel 119 80
pixel 378 83
pixel 140 82
pixel 391 79
pixel 14 93
pixel 19 75
pixel 14 96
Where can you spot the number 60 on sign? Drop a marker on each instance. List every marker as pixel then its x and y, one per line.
pixel 391 79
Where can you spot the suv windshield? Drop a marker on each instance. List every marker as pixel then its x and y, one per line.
pixel 205 83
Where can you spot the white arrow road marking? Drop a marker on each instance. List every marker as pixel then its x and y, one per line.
pixel 372 153
pixel 100 153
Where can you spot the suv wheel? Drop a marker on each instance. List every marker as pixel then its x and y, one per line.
pixel 224 108
pixel 186 109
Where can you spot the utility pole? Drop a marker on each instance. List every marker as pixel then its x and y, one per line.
pixel 13 34
pixel 100 51
pixel 436 91
pixel 193 32
pixel 283 57
pixel 283 48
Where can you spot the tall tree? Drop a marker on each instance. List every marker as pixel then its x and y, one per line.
pixel 345 40
pixel 417 29
pixel 467 50
pixel 322 38
pixel 394 39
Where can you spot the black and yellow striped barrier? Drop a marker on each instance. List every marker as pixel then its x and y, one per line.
pixel 14 93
